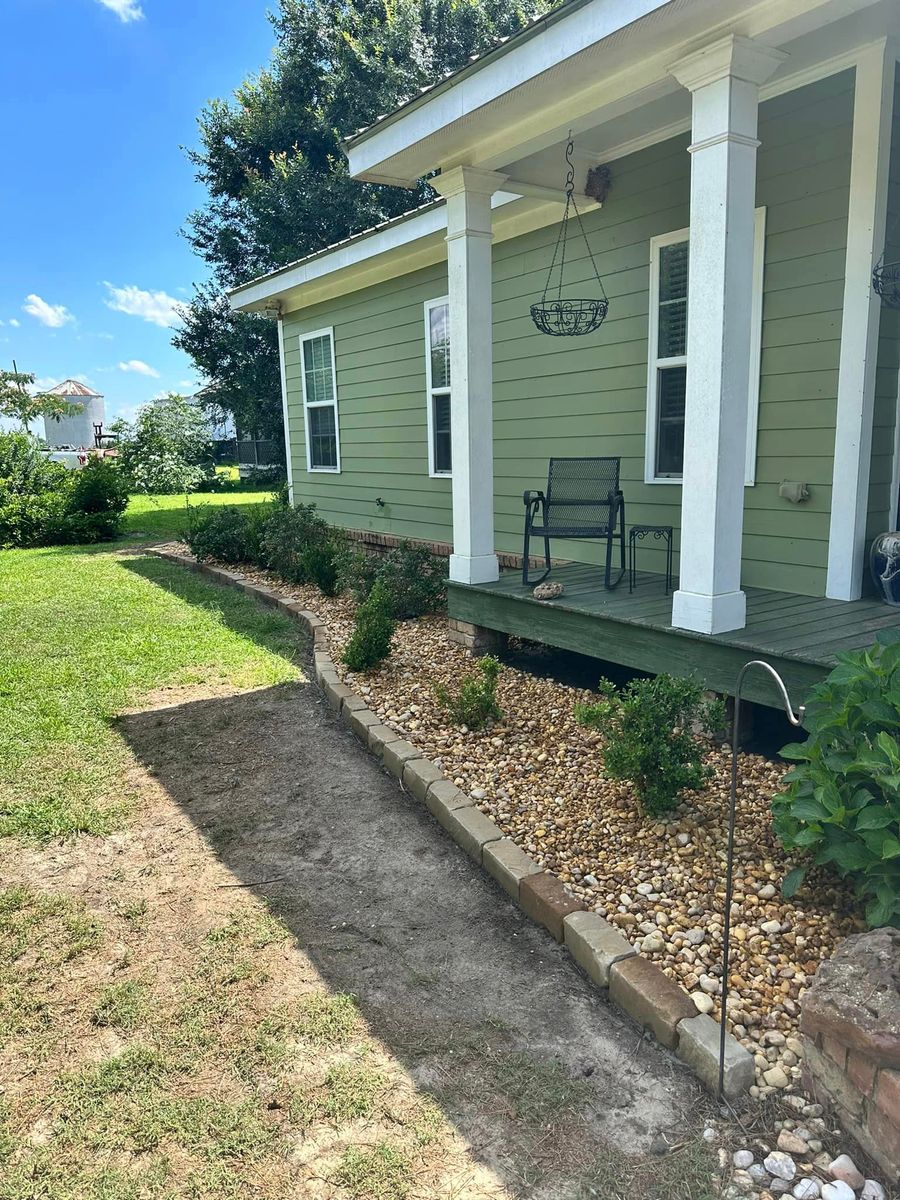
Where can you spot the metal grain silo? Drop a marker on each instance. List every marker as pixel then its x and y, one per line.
pixel 77 430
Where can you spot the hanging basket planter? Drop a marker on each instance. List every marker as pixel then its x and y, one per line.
pixel 559 315
pixel 569 318
pixel 886 282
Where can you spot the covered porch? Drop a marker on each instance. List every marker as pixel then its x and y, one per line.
pixel 798 635
pixel 622 85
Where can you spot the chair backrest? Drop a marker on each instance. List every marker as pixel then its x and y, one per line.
pixel 582 487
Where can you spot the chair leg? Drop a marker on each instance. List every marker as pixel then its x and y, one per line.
pixel 525 554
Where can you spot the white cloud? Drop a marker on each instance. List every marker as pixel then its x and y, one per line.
pixel 15 322
pixel 157 307
pixel 139 368
pixel 52 315
pixel 125 10
pixel 188 384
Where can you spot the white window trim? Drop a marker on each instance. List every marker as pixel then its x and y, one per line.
pixel 308 337
pixel 653 361
pixel 431 392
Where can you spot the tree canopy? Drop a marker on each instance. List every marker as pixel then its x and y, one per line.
pixel 24 406
pixel 276 178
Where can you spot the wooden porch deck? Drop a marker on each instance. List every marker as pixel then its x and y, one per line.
pixel 798 635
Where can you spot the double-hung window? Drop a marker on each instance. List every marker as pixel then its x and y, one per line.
pixel 320 410
pixel 437 384
pixel 667 354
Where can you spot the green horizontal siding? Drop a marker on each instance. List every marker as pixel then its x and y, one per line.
pixel 589 395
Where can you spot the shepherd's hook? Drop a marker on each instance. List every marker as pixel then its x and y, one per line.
pixel 795 719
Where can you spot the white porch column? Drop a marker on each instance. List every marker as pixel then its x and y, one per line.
pixel 724 80
pixel 873 107
pixel 468 192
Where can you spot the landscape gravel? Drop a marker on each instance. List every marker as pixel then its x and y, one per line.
pixel 539 776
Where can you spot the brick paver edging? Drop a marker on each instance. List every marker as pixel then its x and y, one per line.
pixel 634 984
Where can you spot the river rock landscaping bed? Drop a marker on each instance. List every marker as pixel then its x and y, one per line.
pixel 539 776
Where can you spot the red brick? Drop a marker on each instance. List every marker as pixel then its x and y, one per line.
pixel 836 1051
pixel 887 1095
pixel 862 1071
pixel 546 901
pixel 884 1138
pixel 649 997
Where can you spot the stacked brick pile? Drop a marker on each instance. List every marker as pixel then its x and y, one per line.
pixel 850 1024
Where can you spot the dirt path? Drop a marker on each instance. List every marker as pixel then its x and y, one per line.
pixel 262 795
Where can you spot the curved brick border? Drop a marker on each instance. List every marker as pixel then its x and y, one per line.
pixel 634 984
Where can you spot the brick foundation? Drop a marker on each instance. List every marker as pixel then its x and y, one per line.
pixel 476 638
pixel 380 543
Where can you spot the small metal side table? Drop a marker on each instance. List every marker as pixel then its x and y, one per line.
pixel 660 533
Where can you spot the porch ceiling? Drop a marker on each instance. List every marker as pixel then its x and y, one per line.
pixel 601 70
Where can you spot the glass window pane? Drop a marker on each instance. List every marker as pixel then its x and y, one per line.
pixel 317 370
pixel 322 437
pixel 670 396
pixel 439 336
pixel 673 289
pixel 440 428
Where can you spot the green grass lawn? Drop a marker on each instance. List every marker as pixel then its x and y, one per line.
pixel 89 632
pixel 166 517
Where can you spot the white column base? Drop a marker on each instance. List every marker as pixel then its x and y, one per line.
pixel 709 614
pixel 481 568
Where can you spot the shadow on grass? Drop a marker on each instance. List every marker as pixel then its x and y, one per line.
pixel 268 627
pixel 543 1079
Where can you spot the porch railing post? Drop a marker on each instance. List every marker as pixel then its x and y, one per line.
pixel 468 192
pixel 724 81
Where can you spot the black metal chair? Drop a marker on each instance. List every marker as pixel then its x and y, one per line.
pixel 583 500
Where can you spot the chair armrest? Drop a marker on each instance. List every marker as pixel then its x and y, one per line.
pixel 533 498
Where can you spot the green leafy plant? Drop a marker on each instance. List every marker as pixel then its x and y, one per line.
pixel 841 805
pixel 414 577
pixel 475 701
pixel 371 640
pixel 649 730
pixel 167 448
pixel 319 563
pixel 97 502
pixel 287 537
pixel 228 533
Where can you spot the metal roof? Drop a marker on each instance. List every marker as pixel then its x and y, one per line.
pixel 499 46
pixel 71 387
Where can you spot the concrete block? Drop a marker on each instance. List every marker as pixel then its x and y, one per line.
pixel 470 829
pixel 336 694
pixel 698 1047
pixel 322 663
pixel 508 864
pixel 397 754
pixel 443 797
pixel 595 945
pixel 546 901
pixel 418 776
pixel 359 721
pixel 353 703
pixel 639 988
pixel 381 736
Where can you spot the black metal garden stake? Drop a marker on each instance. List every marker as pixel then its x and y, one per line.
pixel 795 719
pixel 563 316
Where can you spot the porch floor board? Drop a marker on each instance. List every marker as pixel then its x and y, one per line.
pixel 799 635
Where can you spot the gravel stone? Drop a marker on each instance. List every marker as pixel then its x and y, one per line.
pixel 806 1189
pixel 843 1167
pixel 781 1165
pixel 838 1190
pixel 742 1159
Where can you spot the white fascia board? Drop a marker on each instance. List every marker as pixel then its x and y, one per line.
pixel 546 49
pixel 385 253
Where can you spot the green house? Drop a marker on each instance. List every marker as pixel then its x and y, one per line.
pixel 746 375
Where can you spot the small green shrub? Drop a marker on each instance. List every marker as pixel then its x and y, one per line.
pixel 648 727
pixel 357 572
pixel 475 702
pixel 97 502
pixel 841 806
pixel 288 535
pixel 228 533
pixel 415 578
pixel 319 562
pixel 371 640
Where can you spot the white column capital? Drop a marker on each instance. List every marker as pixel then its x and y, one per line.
pixel 467 179
pixel 730 57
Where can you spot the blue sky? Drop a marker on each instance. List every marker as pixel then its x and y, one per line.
pixel 97 97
